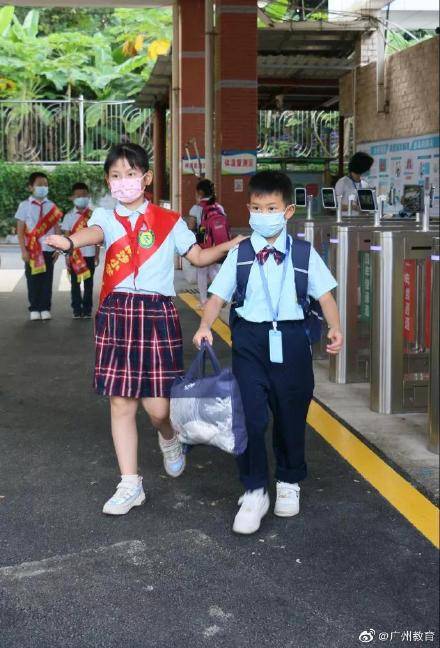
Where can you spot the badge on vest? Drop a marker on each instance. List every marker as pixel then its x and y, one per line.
pixel 146 239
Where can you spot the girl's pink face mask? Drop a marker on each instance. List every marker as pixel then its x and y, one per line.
pixel 127 190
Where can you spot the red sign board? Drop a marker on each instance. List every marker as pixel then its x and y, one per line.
pixel 409 300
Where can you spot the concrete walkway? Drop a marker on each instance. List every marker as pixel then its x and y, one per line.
pixel 172 574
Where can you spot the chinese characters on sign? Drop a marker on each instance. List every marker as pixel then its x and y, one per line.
pixel 239 162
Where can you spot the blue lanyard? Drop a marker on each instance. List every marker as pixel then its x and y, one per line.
pixel 275 310
pixel 354 183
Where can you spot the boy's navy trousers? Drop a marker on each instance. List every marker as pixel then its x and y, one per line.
pixel 286 389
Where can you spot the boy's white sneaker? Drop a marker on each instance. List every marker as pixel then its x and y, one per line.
pixel 45 315
pixel 287 504
pixel 174 461
pixel 253 507
pixel 34 316
pixel 126 496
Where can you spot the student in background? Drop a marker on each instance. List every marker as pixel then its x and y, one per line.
pixel 347 186
pixel 209 221
pixel 38 217
pixel 81 264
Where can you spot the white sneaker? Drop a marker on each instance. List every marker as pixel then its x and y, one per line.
pixel 125 497
pixel 45 315
pixel 174 460
pixel 254 506
pixel 287 504
pixel 34 316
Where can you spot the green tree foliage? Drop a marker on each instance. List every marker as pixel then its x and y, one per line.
pixel 98 53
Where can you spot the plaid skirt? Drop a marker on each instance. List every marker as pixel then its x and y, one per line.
pixel 138 346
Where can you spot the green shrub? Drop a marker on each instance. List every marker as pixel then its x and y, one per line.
pixel 13 187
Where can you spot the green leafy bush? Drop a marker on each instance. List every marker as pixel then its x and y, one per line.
pixel 13 187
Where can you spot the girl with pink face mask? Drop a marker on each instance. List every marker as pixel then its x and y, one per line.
pixel 137 332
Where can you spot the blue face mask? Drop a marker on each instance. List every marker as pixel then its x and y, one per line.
pixel 81 202
pixel 267 224
pixel 40 192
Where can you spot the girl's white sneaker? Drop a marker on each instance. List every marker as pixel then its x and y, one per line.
pixel 174 461
pixel 125 497
pixel 254 506
pixel 287 504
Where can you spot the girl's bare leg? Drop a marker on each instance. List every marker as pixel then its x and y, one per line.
pixel 124 432
pixel 158 409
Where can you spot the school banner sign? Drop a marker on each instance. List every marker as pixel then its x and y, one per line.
pixel 412 161
pixel 239 162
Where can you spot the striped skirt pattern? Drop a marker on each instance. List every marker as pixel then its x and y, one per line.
pixel 138 346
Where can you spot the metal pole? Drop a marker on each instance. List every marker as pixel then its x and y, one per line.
pixel 175 111
pixel 425 222
pixel 309 207
pixel 339 209
pixel 209 89
pixel 81 128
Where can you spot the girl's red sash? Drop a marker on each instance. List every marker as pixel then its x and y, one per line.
pixel 77 263
pixel 33 244
pixel 121 260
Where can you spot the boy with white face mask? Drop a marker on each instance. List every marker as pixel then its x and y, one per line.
pixel 38 217
pixel 271 356
pixel 82 263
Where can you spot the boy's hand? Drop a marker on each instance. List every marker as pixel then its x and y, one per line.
pixel 56 241
pixel 336 340
pixel 25 256
pixel 204 333
pixel 235 241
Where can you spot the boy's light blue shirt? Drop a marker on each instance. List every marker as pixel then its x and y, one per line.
pixel 255 307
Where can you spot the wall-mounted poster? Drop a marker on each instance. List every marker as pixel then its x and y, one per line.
pixel 401 163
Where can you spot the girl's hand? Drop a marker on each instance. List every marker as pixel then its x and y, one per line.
pixel 204 333
pixel 58 242
pixel 235 241
pixel 335 336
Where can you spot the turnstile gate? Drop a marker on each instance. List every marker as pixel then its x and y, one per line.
pixel 400 331
pixel 433 405
pixel 350 263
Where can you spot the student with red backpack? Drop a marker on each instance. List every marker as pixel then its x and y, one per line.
pixel 212 229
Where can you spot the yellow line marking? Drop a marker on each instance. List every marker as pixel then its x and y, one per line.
pixel 412 504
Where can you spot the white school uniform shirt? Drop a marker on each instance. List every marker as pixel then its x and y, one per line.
pixel 255 307
pixel 68 222
pixel 156 275
pixel 346 187
pixel 29 213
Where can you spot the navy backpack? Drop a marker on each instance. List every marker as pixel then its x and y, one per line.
pixel 313 317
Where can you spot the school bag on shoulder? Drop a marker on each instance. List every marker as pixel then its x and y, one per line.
pixel 214 225
pixel 207 409
pixel 300 252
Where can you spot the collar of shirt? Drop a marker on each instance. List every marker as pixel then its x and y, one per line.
pixel 259 242
pixel 121 210
pixel 33 200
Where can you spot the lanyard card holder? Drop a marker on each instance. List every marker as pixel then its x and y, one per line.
pixel 276 346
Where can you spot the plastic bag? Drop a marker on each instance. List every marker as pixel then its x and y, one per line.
pixel 208 409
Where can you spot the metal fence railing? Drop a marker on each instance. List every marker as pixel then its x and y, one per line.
pixel 298 134
pixel 75 130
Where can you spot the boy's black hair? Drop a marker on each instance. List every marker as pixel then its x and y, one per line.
pixel 135 155
pixel 35 175
pixel 207 188
pixel 80 185
pixel 269 182
pixel 360 163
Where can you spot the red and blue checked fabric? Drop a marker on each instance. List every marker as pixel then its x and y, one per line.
pixel 138 346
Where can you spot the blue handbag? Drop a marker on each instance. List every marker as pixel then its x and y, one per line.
pixel 207 409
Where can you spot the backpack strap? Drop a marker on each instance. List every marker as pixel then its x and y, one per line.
pixel 300 260
pixel 245 259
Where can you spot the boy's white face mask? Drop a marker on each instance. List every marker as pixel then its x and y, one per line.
pixel 267 224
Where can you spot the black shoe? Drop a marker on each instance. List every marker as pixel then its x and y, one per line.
pixel 76 315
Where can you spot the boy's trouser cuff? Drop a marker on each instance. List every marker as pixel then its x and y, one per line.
pixel 291 476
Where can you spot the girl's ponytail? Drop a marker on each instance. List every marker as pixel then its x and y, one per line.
pixel 207 188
